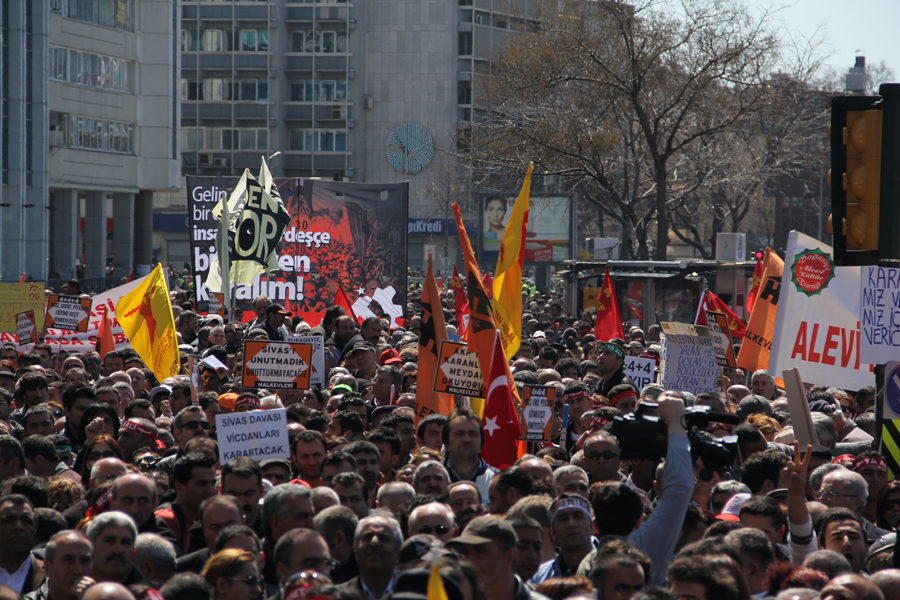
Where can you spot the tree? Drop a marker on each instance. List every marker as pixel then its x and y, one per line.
pixel 653 115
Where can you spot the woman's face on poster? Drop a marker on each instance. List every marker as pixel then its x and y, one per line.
pixel 495 211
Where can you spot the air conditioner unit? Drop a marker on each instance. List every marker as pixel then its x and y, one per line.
pixel 56 138
pixel 189 160
pixel 205 159
pixel 220 161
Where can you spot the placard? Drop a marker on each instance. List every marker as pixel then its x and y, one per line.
pixel 458 371
pixel 721 337
pixel 689 362
pixel 879 315
pixel 17 298
pixel 318 356
pixel 70 313
pixel 801 418
pixel 258 434
pixel 537 401
pixel 194 370
pixel 25 328
pixel 641 370
pixel 276 365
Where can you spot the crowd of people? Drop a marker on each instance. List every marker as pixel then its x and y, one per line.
pixel 111 486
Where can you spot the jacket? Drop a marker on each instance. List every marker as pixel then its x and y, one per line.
pixel 481 478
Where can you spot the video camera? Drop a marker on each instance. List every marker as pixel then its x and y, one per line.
pixel 645 436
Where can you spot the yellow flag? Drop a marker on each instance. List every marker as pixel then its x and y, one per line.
pixel 145 315
pixel 436 589
pixel 508 276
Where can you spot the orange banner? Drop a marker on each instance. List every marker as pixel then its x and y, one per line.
pixel 757 344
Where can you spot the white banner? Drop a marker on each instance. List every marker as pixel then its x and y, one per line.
pixel 879 308
pixel 258 434
pixel 817 327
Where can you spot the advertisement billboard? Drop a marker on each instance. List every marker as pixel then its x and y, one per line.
pixel 341 234
pixel 549 236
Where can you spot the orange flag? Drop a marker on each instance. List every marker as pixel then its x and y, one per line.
pixel 433 332
pixel 757 344
pixel 482 330
pixel 105 340
pixel 754 285
pixel 608 324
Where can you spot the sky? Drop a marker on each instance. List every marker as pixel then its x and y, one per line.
pixel 851 27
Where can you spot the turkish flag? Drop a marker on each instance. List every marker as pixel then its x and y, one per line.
pixel 713 303
pixel 501 421
pixel 608 324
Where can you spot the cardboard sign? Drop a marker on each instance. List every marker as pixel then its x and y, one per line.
pixel 318 356
pixel 721 337
pixel 879 315
pixel 817 326
pixel 689 361
pixel 70 313
pixel 258 434
pixel 276 365
pixel 801 419
pixel 17 298
pixel 194 370
pixel 537 401
pixel 641 370
pixel 216 304
pixel 458 371
pixel 25 328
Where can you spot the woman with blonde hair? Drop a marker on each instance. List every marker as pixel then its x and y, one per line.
pixel 233 574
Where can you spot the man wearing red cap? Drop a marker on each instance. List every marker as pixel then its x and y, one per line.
pixel 136 434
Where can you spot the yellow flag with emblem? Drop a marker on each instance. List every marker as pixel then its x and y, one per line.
pixel 507 286
pixel 145 315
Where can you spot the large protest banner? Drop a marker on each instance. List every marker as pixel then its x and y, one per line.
pixel 688 359
pixel 817 327
pixel 879 315
pixel 16 298
pixel 258 434
pixel 341 234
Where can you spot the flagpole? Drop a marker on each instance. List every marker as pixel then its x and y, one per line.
pixel 224 263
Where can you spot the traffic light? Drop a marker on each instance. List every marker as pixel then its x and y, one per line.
pixel 855 178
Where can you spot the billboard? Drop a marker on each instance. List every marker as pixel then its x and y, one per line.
pixel 549 236
pixel 341 234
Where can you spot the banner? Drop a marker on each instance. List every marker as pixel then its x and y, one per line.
pixel 16 298
pixel 71 313
pixel 879 315
pixel 720 332
pixel 341 234
pixel 817 327
pixel 458 371
pixel 25 328
pixel 317 376
pixel 214 306
pixel 549 235
pixel 276 365
pixel 757 345
pixel 538 403
pixel 688 359
pixel 641 370
pixel 258 434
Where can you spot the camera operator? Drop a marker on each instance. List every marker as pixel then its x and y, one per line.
pixel 618 508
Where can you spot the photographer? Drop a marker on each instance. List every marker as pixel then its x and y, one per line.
pixel 618 508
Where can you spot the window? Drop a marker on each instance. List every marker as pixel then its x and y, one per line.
pixel 302 91
pixel 331 141
pixel 326 42
pixel 464 92
pixel 298 41
pixel 91 70
pixel 301 140
pixel 109 13
pixel 248 40
pixel 465 43
pixel 95 134
pixel 248 89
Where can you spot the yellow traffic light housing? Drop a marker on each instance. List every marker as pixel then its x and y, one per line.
pixel 862 179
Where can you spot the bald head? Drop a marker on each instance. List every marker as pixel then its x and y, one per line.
pixel 888 581
pixel 547 375
pixel 739 392
pixel 851 587
pixel 107 591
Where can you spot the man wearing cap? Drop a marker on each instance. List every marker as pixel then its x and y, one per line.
pixel 570 524
pixel 489 543
pixel 274 325
pixel 611 362
pixel 363 356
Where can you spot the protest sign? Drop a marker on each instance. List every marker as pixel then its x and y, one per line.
pixel 688 361
pixel 25 328
pixel 276 365
pixel 458 371
pixel 16 298
pixel 801 419
pixel 641 370
pixel 258 434
pixel 879 315
pixel 318 356
pixel 537 401
pixel 817 326
pixel 71 313
pixel 194 370
pixel 721 337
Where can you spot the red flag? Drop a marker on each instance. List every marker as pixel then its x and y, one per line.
pixel 105 340
pixel 608 324
pixel 130 277
pixel 22 278
pixel 711 302
pixel 459 296
pixel 754 285
pixel 488 284
pixel 441 284
pixel 501 421
pixel 461 328
pixel 340 299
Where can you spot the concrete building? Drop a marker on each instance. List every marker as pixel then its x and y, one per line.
pixel 90 90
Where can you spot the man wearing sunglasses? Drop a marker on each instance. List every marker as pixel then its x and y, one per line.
pixel 434 518
pixel 601 458
pixel 189 423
